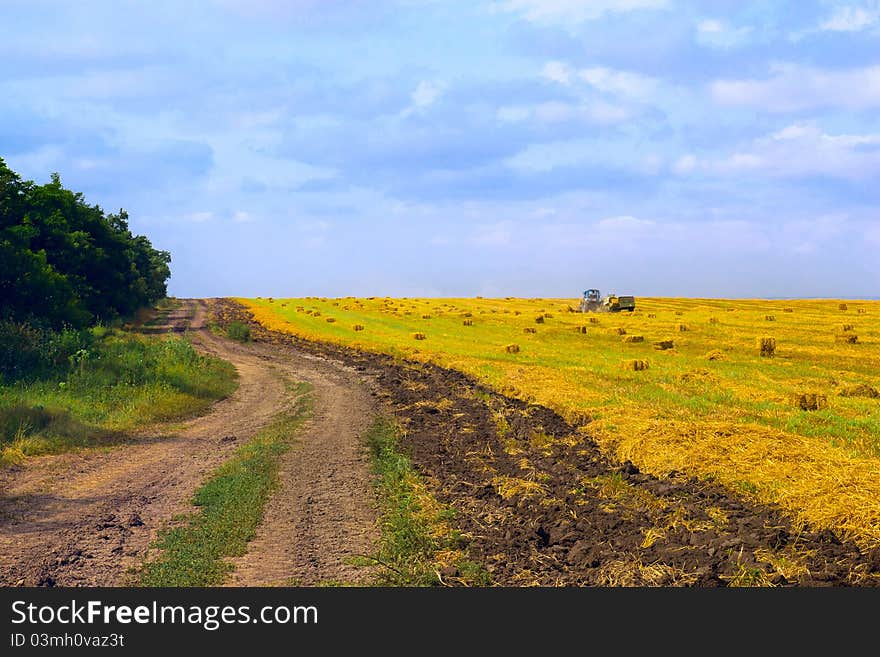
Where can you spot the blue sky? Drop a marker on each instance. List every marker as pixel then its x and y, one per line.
pixel 726 148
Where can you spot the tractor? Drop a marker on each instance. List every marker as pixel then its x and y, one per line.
pixel 592 301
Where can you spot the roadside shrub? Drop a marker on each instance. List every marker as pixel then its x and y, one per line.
pixel 28 352
pixel 238 331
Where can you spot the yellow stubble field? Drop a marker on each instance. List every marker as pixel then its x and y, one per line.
pixel 776 399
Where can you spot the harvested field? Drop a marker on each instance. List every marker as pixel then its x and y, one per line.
pixel 539 502
pixel 739 428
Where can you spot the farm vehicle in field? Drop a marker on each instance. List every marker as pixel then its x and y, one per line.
pixel 592 301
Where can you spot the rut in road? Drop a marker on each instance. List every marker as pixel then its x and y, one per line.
pixel 87 518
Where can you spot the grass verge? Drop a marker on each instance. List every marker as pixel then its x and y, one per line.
pixel 230 508
pixel 118 381
pixel 418 546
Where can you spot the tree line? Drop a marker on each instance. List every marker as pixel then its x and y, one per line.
pixel 67 264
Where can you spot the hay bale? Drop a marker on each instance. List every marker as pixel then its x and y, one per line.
pixel 330 320
pixel 539 319
pixel 788 310
pixel 594 320
pixel 715 354
pixel 530 329
pixel 635 364
pixel 846 338
pixel 682 328
pixel 859 390
pixel 634 338
pixel 846 328
pixel 512 348
pixel 663 345
pixel 842 306
pixel 548 316
pixel 862 310
pixel 809 401
pixel 767 347
pixel 426 317
pixel 315 313
pixel 580 329
pixel 713 320
pixel 678 313
pixel 358 327
pixel 517 312
pixel 467 314
pixel 419 336
pixel 769 318
pixel 651 316
pixel 468 322
pixel 619 330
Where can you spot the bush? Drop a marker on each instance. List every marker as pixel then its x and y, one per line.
pixel 28 352
pixel 238 331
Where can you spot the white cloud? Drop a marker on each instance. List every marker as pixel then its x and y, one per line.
pixel 685 164
pixel 513 114
pixel 624 224
pixel 802 149
pixel 792 88
pixel 851 19
pixel 557 72
pixel 242 217
pixel 200 217
pixel 566 12
pixel 717 34
pixel 598 112
pixel 609 81
pixel 426 93
pixel 555 111
pixel 620 83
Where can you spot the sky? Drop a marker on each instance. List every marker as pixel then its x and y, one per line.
pixel 723 148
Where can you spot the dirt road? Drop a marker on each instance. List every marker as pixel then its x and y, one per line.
pixel 87 518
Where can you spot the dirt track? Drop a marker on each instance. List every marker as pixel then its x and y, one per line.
pixel 86 518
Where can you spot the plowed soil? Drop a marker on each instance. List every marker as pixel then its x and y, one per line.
pixel 542 505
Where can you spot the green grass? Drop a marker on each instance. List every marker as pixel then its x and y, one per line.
pixel 238 331
pixel 230 508
pixel 416 536
pixel 120 382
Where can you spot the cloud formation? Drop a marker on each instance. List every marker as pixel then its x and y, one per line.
pixel 417 146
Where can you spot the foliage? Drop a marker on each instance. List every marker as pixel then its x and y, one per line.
pixel 100 382
pixel 66 263
pixel 238 331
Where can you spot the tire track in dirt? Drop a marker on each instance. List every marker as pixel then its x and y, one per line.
pixel 323 513
pixel 86 518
